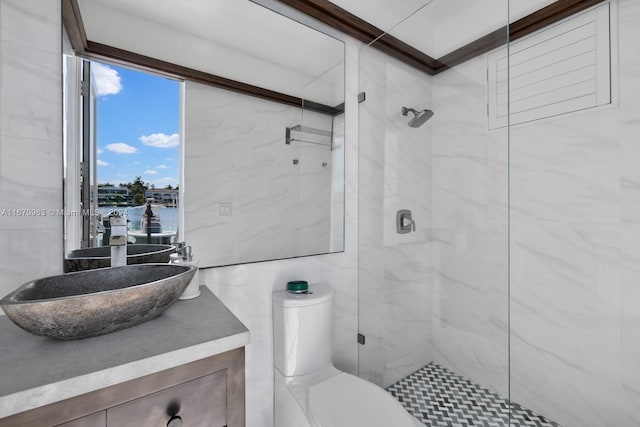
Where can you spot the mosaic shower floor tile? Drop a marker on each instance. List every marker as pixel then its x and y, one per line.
pixel 440 398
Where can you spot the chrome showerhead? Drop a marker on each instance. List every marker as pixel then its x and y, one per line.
pixel 420 117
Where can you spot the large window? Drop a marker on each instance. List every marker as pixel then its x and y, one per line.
pixel 127 155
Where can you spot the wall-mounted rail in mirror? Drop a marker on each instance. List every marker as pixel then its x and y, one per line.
pixel 245 75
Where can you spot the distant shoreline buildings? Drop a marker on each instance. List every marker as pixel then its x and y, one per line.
pixel 122 196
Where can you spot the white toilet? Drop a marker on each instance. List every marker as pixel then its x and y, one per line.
pixel 309 390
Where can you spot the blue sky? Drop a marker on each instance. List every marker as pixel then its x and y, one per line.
pixel 138 126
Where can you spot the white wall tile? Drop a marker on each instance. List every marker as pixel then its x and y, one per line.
pixel 565 320
pixel 30 140
pixel 470 228
pixel 34 24
pixel 235 152
pixel 573 256
pixel 629 369
pixel 31 93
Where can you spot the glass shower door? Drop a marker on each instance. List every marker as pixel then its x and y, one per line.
pixel 433 302
pixel 575 299
pixel 395 288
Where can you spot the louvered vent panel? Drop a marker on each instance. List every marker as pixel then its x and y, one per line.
pixel 557 70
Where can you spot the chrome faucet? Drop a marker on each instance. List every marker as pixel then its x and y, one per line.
pixel 180 247
pixel 118 240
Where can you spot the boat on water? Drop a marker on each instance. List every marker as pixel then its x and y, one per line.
pixel 150 225
pixel 163 225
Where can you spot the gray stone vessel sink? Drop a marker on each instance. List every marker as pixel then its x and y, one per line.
pixel 90 303
pixel 100 257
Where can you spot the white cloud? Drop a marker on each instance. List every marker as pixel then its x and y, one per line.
pixel 102 163
pixel 107 79
pixel 137 163
pixel 121 147
pixel 100 150
pixel 150 172
pixel 161 140
pixel 162 167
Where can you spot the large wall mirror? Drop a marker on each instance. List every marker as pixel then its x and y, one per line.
pixel 245 159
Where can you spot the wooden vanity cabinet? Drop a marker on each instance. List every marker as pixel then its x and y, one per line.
pixel 199 402
pixel 207 392
pixel 99 419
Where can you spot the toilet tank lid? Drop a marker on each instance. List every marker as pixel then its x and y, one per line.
pixel 318 294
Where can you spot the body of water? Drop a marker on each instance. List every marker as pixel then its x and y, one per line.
pixel 168 215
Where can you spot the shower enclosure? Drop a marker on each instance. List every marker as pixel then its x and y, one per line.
pixel 516 300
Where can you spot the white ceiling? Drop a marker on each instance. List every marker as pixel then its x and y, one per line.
pixel 244 41
pixel 440 26
pixel 235 39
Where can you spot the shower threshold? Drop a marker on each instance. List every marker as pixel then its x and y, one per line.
pixel 440 398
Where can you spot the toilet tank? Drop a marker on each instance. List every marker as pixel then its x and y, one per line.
pixel 303 330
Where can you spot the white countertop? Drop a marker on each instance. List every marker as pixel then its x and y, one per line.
pixel 37 371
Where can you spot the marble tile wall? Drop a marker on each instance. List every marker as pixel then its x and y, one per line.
pixel 235 152
pixel 575 312
pixel 313 198
pixel 629 51
pixel 338 187
pixel 470 305
pixel 30 140
pixel 395 173
pixel 246 289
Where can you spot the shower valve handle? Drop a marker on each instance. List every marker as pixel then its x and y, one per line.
pixel 407 222
pixel 404 222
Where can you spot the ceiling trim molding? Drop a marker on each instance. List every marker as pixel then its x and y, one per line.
pixel 340 19
pixel 541 18
pixel 548 15
pixel 99 51
pixel 72 21
pixel 350 24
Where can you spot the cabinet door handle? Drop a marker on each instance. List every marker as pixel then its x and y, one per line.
pixel 175 421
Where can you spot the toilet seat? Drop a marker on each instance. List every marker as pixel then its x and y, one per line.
pixel 345 400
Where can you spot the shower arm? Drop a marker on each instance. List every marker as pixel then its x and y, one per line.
pixel 406 110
